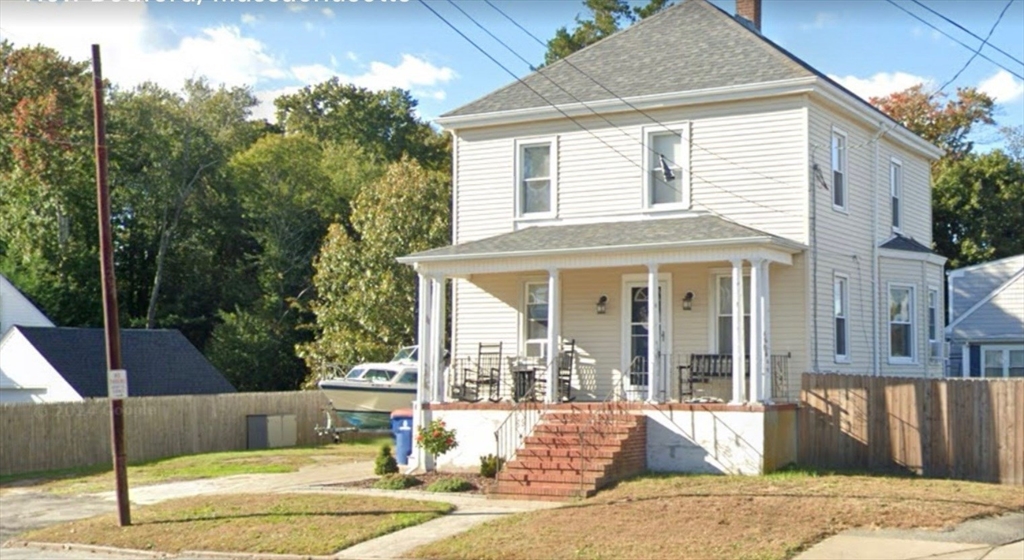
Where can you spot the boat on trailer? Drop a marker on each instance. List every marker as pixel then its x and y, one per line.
pixel 365 396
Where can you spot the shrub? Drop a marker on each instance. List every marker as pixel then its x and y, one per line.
pixel 490 465
pixel 385 462
pixel 396 482
pixel 435 439
pixel 452 484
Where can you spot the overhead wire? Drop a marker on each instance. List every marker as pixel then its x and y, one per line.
pixel 968 31
pixel 576 122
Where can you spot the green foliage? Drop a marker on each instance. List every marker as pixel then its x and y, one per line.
pixel 450 484
pixel 490 465
pixel 607 17
pixel 385 462
pixel 978 208
pixel 436 439
pixel 366 300
pixel 396 482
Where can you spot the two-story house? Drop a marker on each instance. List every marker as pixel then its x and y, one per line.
pixel 632 201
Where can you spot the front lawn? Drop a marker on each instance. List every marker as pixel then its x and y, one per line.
pixel 728 517
pixel 304 524
pixel 193 467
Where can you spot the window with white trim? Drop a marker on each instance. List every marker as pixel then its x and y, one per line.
pixel 896 193
pixel 535 317
pixel 1002 361
pixel 840 312
pixel 901 324
pixel 535 184
pixel 839 182
pixel 666 167
pixel 933 324
pixel 723 315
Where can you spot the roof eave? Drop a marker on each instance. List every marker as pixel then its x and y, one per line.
pixel 791 247
pixel 616 105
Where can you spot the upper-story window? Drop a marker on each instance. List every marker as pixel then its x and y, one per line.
pixel 535 178
pixel 666 167
pixel 838 169
pixel 896 193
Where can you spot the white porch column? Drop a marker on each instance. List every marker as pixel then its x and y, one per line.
pixel 423 339
pixel 766 320
pixel 554 303
pixel 653 333
pixel 756 332
pixel 737 331
pixel 437 329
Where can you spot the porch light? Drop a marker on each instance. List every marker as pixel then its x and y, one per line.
pixel 688 301
pixel 602 305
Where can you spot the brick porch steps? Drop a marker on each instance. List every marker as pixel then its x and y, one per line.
pixel 574 454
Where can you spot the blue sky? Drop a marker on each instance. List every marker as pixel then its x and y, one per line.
pixel 869 45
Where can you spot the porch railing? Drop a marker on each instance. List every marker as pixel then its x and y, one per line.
pixel 520 422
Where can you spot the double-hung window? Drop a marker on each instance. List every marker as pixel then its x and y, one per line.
pixel 535 328
pixel 901 324
pixel 535 178
pixel 723 316
pixel 840 312
pixel 667 164
pixel 896 193
pixel 1003 361
pixel 839 182
pixel 934 350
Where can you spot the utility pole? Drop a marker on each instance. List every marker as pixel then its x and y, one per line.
pixel 117 380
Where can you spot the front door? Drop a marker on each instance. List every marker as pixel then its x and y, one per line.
pixel 637 369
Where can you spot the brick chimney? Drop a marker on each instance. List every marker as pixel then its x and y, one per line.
pixel 750 10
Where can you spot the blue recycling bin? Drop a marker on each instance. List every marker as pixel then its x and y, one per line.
pixel 401 430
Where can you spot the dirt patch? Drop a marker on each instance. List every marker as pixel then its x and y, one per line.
pixel 480 484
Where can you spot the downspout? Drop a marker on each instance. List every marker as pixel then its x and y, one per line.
pixel 876 356
pixel 814 263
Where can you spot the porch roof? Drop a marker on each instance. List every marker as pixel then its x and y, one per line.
pixel 633 236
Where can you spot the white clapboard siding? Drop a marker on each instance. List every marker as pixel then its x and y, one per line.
pixel 917 195
pixel 746 159
pixel 486 310
pixel 921 276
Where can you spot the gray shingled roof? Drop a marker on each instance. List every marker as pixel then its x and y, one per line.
pixel 690 46
pixel 159 362
pixel 901 243
pixel 584 237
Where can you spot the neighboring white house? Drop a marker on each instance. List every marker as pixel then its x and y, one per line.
pixel 986 319
pixel 16 309
pixel 681 173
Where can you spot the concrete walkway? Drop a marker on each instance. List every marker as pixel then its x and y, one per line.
pixel 998 538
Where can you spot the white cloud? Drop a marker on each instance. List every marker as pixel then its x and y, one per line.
pixel 312 73
pixel 821 21
pixel 327 12
pixel 881 84
pixel 410 72
pixel 352 56
pixel 136 50
pixel 1002 87
pixel 296 8
pixel 249 19
pixel 266 109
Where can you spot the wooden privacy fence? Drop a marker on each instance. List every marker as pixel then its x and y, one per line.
pixel 970 429
pixel 36 437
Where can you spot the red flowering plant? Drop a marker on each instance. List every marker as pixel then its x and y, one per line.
pixel 436 439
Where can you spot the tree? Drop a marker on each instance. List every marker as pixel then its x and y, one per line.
pixel 607 17
pixel 366 300
pixel 947 126
pixel 979 208
pixel 49 238
pixel 383 123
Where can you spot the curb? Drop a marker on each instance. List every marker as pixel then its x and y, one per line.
pixel 96 549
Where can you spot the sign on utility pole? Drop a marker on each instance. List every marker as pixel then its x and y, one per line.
pixel 117 378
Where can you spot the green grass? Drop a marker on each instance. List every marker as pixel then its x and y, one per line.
pixel 304 524
pixel 194 467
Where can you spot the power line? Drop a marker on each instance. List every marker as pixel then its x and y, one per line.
pixel 983 43
pixel 968 31
pixel 617 96
pixel 602 117
pixel 954 39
